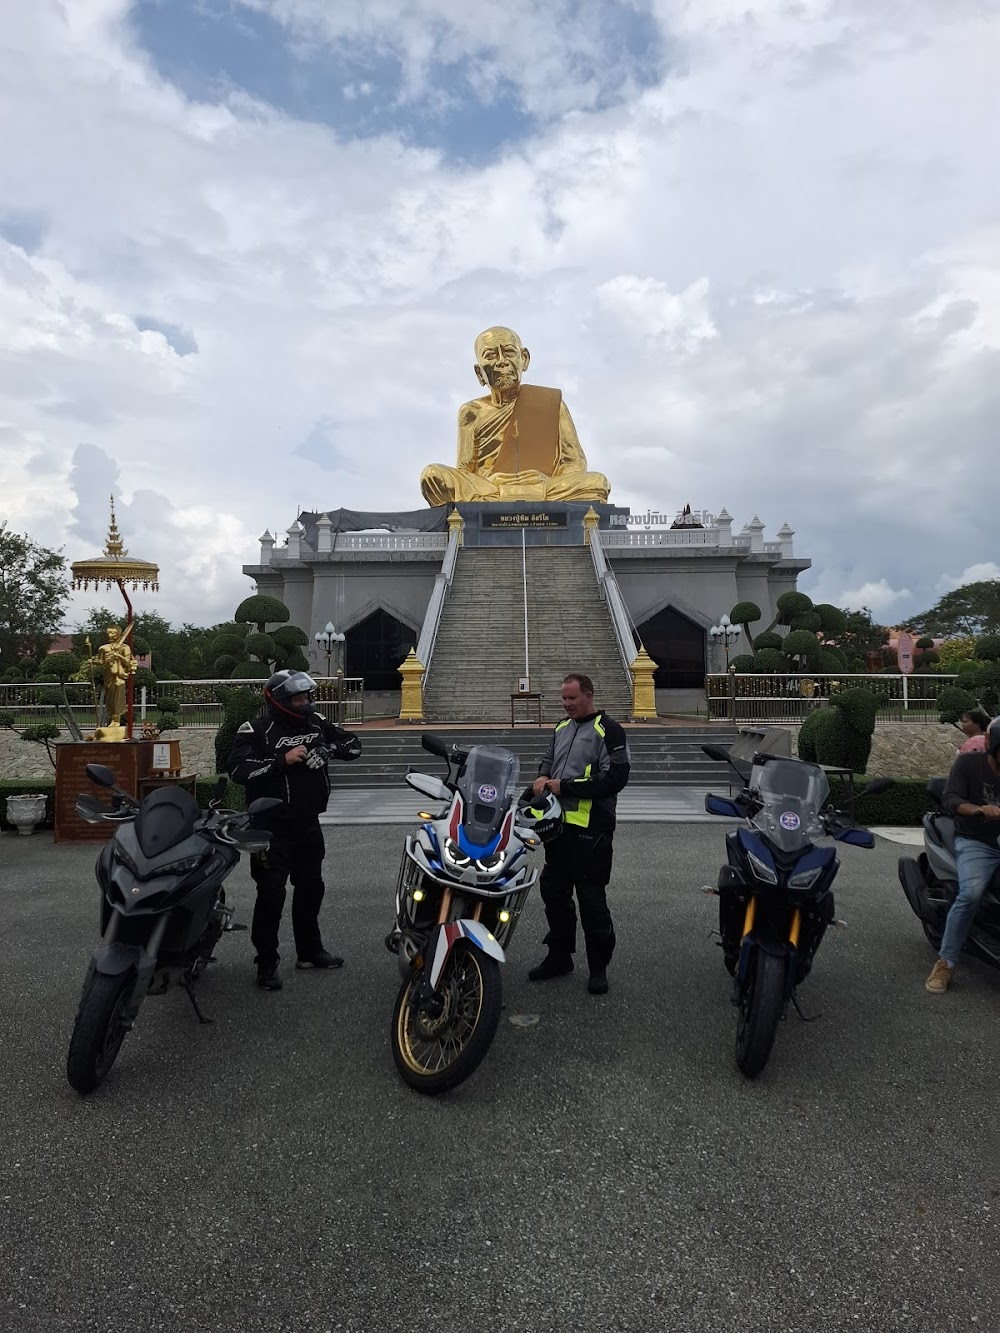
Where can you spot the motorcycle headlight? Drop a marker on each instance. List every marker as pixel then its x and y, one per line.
pixel 454 855
pixel 765 873
pixel 805 879
pixel 493 862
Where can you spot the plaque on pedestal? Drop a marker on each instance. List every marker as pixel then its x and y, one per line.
pixel 129 761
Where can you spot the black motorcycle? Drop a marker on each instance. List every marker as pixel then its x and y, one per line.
pixel 930 882
pixel 775 892
pixel 163 908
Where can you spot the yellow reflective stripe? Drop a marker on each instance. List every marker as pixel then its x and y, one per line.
pixel 564 723
pixel 597 725
pixel 580 814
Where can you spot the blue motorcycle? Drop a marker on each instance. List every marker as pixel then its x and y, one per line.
pixel 776 889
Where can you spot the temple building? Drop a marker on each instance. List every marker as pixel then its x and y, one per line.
pixel 519 569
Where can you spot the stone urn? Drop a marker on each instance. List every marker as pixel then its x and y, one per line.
pixel 26 812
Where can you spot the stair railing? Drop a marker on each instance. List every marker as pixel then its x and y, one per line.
pixel 626 635
pixel 435 607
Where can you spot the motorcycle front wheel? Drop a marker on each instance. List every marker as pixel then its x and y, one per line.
pixel 760 1010
pixel 99 1030
pixel 435 1052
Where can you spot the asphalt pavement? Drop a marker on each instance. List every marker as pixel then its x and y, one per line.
pixel 607 1168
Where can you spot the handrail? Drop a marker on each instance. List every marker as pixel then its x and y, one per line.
pixel 435 607
pixel 621 621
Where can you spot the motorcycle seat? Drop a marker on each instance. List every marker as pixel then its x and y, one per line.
pixel 942 830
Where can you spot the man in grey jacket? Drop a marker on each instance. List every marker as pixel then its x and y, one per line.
pixel 585 766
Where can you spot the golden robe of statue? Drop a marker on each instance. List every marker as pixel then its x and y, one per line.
pixel 516 443
pixel 116 663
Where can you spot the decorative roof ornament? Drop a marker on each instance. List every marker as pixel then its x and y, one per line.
pixel 115 566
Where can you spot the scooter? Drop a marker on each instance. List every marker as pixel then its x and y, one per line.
pixel 930 882
pixel 163 908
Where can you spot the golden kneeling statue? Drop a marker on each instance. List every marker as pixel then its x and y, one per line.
pixel 516 443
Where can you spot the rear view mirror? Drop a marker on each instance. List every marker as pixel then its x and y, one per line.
pixel 428 785
pixel 433 745
pixel 263 803
pixel 716 752
pixel 876 787
pixel 101 775
pixel 722 805
pixel 855 837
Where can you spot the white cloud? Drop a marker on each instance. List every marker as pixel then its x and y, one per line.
pixel 980 573
pixel 770 282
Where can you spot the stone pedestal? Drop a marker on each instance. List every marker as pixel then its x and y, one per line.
pixel 129 762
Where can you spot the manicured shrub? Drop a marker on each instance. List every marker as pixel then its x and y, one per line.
pixel 841 734
pixel 239 705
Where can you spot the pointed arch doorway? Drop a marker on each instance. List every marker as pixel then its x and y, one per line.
pixel 677 646
pixel 374 648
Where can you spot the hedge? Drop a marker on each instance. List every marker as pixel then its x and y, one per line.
pixel 905 803
pixel 234 799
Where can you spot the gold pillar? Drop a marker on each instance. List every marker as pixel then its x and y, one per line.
pixel 643 691
pixel 590 521
pixel 411 698
pixel 456 521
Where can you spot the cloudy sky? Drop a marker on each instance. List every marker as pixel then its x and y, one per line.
pixel 245 246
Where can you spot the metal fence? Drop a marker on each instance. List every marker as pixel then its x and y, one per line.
pixel 340 699
pixel 736 697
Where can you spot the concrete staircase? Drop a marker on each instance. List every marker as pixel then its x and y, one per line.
pixel 479 653
pixel 661 756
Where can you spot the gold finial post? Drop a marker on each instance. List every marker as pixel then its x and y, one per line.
pixel 411 699
pixel 590 521
pixel 456 523
pixel 643 690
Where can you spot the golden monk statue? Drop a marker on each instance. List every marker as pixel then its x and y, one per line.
pixel 117 663
pixel 516 443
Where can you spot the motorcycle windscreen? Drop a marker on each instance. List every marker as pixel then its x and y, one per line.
pixel 488 783
pixel 166 817
pixel 791 793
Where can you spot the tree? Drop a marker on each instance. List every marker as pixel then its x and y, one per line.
pixel 33 592
pixel 972 609
pixel 862 641
pixel 247 650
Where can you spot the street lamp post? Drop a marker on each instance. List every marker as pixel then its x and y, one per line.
pixel 329 641
pixel 726 634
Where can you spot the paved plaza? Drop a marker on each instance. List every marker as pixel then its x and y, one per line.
pixel 607 1169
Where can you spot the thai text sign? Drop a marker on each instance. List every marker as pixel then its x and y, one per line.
pixel 550 518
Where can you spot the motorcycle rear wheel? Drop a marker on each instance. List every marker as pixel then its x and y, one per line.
pixel 933 936
pixel 760 1010
pixel 432 1053
pixel 98 1032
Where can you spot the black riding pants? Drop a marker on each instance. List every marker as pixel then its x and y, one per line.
pixel 295 853
pixel 582 861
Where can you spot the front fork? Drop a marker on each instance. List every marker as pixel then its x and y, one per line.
pixel 746 941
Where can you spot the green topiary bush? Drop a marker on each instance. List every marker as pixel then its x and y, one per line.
pixel 262 646
pixel 988 648
pixel 800 643
pixel 841 734
pixel 742 662
pixel 239 705
pixel 952 702
pixel 768 659
pixel 767 639
pixel 905 803
pixel 260 611
pixel 792 604
pixel 250 670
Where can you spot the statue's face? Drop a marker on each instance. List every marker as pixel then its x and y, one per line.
pixel 113 634
pixel 500 360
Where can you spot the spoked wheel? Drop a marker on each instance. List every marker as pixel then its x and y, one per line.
pixel 99 1029
pixel 760 1010
pixel 436 1051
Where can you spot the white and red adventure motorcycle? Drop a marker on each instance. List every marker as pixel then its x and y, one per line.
pixel 463 882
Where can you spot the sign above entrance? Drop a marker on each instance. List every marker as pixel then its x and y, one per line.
pixel 549 518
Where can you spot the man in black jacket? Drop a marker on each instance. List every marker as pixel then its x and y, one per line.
pixel 586 766
pixel 972 797
pixel 283 754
